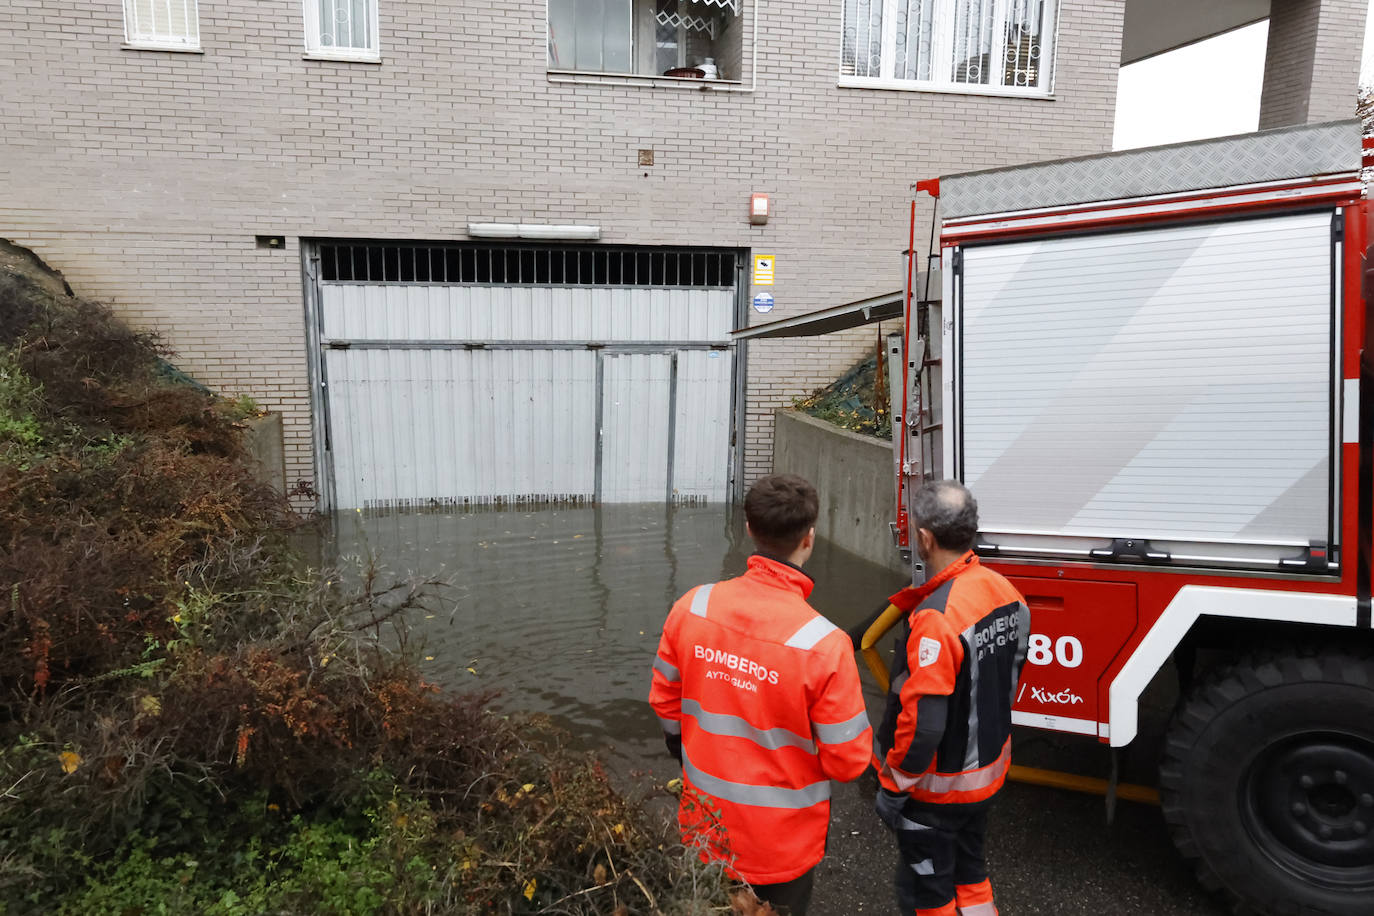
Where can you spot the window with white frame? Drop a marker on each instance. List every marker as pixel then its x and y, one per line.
pixel 688 38
pixel 1001 46
pixel 172 24
pixel 341 28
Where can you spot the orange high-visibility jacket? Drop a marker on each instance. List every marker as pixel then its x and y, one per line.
pixel 946 734
pixel 765 695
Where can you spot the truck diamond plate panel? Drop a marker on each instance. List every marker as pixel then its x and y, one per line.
pixel 1273 155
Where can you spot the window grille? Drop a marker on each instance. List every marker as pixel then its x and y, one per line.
pixel 506 265
pixel 162 23
pixel 645 37
pixel 1000 44
pixel 343 27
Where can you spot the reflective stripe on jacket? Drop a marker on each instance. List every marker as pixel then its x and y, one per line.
pixel 765 695
pixel 946 734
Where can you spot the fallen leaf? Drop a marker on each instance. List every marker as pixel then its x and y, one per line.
pixel 599 873
pixel 472 670
pixel 70 761
pixel 530 887
pixel 429 658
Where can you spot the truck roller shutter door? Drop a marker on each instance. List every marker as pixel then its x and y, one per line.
pixel 1168 384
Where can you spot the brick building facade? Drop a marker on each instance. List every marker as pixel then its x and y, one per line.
pixel 146 176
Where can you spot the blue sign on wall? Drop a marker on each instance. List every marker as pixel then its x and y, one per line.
pixel 763 302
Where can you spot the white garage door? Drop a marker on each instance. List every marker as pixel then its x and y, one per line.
pixel 564 376
pixel 1172 384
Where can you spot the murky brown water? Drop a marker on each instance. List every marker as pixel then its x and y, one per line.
pixel 561 609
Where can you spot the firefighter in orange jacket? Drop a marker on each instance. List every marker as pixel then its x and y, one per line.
pixel 759 698
pixel 944 746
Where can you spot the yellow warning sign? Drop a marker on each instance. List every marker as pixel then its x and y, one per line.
pixel 763 270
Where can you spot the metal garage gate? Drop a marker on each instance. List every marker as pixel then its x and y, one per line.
pixel 472 374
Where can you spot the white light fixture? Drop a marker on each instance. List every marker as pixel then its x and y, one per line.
pixel 758 209
pixel 533 231
pixel 493 230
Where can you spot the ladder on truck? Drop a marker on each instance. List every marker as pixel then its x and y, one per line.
pixel 910 360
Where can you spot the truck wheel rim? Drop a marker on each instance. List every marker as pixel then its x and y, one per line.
pixel 1308 803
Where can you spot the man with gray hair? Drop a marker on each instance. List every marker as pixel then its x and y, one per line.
pixel 945 743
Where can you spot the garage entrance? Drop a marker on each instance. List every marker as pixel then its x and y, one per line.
pixel 484 374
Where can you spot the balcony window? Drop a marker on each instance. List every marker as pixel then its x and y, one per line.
pixel 686 38
pixel 167 24
pixel 1000 47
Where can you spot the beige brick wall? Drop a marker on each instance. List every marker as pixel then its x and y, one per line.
pixel 145 175
pixel 1312 66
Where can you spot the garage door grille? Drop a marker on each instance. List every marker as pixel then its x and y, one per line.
pixel 527 265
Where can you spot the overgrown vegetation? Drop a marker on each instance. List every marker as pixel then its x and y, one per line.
pixel 192 722
pixel 856 401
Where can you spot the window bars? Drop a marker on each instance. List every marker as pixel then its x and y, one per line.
pixel 162 23
pixel 948 43
pixel 344 27
pixel 526 265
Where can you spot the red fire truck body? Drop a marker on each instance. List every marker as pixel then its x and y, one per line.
pixel 1153 370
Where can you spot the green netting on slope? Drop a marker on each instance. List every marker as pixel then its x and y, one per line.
pixel 856 401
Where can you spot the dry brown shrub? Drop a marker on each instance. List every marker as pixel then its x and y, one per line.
pixel 164 656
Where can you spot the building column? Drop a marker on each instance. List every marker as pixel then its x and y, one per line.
pixel 1312 65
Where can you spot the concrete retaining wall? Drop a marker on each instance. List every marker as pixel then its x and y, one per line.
pixel 853 475
pixel 264 440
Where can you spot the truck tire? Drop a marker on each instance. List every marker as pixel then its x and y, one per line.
pixel 1267 782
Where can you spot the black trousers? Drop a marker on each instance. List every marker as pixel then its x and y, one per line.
pixel 790 898
pixel 941 858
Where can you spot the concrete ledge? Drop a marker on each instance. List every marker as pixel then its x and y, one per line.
pixel 853 475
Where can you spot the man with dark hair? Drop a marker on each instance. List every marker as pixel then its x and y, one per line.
pixel 759 700
pixel 944 746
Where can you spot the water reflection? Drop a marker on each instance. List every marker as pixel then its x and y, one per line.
pixel 561 609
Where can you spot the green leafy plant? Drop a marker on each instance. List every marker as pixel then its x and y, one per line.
pixel 20 433
pixel 856 401
pixel 241 408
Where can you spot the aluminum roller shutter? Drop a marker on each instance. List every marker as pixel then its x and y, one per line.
pixel 440 388
pixel 421 427
pixel 1172 384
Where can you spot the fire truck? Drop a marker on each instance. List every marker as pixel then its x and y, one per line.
pixel 1153 370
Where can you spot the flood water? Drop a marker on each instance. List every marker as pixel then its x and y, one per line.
pixel 561 608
